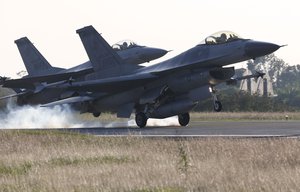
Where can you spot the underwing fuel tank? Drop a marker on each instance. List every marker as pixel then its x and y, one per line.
pixel 191 80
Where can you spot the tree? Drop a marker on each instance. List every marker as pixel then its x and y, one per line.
pixel 289 78
pixel 269 63
pixel 288 86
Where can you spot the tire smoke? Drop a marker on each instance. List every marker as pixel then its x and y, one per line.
pixel 61 116
pixel 170 121
pixel 16 117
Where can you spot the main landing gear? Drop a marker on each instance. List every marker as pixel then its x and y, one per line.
pixel 96 114
pixel 217 103
pixel 141 119
pixel 184 119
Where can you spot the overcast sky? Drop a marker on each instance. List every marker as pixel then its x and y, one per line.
pixel 170 24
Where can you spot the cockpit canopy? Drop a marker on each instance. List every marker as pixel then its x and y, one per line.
pixel 220 38
pixel 122 45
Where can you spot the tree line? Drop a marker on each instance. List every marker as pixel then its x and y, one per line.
pixel 285 79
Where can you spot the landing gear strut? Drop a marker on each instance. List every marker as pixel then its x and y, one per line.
pixel 217 103
pixel 184 119
pixel 141 119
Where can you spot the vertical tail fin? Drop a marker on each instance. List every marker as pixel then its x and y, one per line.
pixel 34 61
pixel 104 59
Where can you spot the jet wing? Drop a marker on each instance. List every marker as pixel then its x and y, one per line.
pixel 28 82
pixel 169 68
pixel 69 101
pixel 101 87
pixel 13 95
pixel 110 85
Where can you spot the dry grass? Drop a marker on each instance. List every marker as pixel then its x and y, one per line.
pixel 57 161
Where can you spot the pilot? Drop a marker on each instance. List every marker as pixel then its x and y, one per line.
pixel 124 46
pixel 222 38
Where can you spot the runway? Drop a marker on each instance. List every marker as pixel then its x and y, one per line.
pixel 204 129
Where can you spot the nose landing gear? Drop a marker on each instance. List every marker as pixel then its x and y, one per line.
pixel 217 103
pixel 217 106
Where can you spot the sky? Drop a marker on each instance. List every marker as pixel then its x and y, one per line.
pixel 170 24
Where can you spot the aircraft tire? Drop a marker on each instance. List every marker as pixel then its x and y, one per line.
pixel 96 114
pixel 184 119
pixel 217 106
pixel 141 119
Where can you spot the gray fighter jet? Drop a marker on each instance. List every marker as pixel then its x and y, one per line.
pixel 37 65
pixel 172 87
pixel 40 71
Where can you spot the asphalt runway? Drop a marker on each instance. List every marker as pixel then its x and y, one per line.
pixel 204 129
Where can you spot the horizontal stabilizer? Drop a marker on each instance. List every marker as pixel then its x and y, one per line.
pixel 29 82
pixel 3 79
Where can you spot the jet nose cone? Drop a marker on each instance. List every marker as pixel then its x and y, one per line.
pixel 157 53
pixel 152 53
pixel 255 49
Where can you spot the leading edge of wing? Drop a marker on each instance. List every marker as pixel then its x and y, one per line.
pixel 109 85
pixel 170 68
pixel 69 101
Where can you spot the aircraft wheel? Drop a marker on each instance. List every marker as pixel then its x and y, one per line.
pixel 96 114
pixel 184 119
pixel 217 106
pixel 141 119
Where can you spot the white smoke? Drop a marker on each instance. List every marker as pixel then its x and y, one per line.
pixel 170 121
pixel 38 117
pixel 35 117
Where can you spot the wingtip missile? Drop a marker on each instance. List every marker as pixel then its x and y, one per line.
pixel 283 45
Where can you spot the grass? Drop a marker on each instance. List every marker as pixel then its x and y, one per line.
pixel 15 169
pixel 65 161
pixel 58 161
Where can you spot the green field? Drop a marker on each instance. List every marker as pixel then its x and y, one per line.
pixel 64 161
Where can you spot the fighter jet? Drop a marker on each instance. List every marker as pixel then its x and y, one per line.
pixel 40 71
pixel 130 52
pixel 169 88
